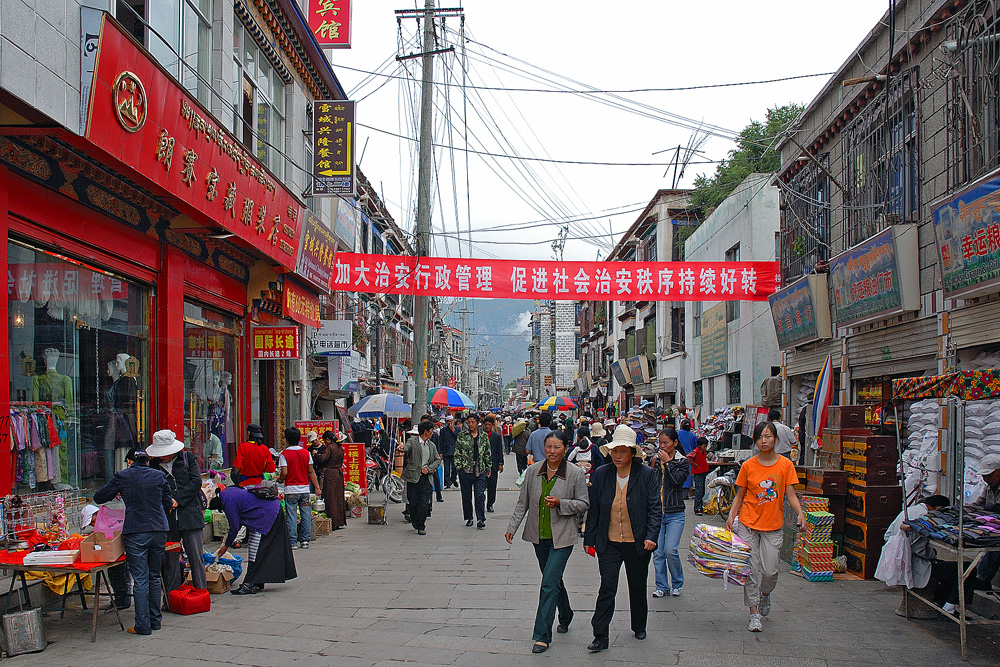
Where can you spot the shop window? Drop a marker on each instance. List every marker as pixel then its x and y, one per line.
pixel 178 33
pixel 733 307
pixel 733 381
pixel 259 102
pixel 210 384
pixel 79 369
pixel 698 393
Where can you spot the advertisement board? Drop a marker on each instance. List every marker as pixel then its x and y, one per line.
pixel 269 343
pixel 714 341
pixel 801 312
pixel 967 227
pixel 333 338
pixel 333 133
pixel 354 465
pixel 877 278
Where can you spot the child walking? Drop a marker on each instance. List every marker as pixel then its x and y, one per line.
pixel 764 482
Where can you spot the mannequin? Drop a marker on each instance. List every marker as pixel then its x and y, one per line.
pixel 121 435
pixel 53 387
pixel 221 414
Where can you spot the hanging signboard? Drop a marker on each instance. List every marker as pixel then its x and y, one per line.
pixel 344 372
pixel 330 23
pixel 714 341
pixel 168 142
pixel 620 370
pixel 333 149
pixel 570 281
pixel 638 368
pixel 317 249
pixel 877 278
pixel 333 338
pixel 801 312
pixel 270 343
pixel 300 304
pixel 967 227
pixel 345 225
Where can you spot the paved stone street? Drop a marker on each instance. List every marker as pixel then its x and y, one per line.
pixel 371 595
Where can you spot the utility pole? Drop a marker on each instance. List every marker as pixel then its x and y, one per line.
pixel 378 350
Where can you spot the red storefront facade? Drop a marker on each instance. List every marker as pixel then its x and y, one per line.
pixel 138 257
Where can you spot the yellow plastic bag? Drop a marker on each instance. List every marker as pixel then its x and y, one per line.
pixel 712 506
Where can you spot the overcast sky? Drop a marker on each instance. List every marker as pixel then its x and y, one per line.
pixel 607 45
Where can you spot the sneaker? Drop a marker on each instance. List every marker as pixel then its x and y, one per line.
pixel 295 546
pixel 755 625
pixel 659 593
pixel 481 525
pixel 421 532
pixel 765 605
pixel 676 592
pixel 469 522
pixel 304 545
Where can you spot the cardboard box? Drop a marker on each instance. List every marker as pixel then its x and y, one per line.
pixel 96 548
pixel 217 582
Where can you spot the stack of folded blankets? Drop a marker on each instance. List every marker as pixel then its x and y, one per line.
pixel 815 552
pixel 717 552
pixel 980 528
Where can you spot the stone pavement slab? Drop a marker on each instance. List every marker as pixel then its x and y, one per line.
pixel 383 596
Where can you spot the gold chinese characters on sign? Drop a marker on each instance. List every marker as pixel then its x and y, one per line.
pixel 333 148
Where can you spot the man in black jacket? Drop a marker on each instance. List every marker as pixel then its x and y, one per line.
pixel 147 499
pixel 447 439
pixel 188 520
pixel 496 454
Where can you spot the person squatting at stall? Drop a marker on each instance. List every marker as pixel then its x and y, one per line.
pixel 420 460
pixel 147 499
pixel 269 552
pixel 623 522
pixel 187 521
pixel 553 494
pixel 764 482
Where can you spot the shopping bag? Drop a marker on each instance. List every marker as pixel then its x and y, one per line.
pixel 109 521
pixel 520 479
pixel 895 564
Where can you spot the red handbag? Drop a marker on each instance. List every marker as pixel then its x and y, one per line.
pixel 188 600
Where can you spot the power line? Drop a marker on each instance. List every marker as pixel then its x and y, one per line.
pixel 570 91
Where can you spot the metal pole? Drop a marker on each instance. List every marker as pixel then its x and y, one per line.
pixel 378 351
pixel 424 206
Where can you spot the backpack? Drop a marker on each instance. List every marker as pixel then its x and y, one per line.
pixel 266 490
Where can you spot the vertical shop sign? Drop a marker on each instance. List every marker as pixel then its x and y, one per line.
pixel 330 23
pixel 317 252
pixel 300 304
pixel 270 343
pixel 714 341
pixel 333 148
pixel 354 465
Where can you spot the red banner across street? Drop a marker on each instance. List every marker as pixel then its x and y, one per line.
pixel 568 281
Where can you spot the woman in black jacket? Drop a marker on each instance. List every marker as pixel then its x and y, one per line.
pixel 623 523
pixel 672 467
pixel 188 519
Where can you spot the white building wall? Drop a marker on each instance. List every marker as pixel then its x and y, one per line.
pixel 748 217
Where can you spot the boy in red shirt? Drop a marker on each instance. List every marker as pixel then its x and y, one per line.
pixel 297 472
pixel 699 469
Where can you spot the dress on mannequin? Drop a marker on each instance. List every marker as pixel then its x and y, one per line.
pixel 121 435
pixel 53 387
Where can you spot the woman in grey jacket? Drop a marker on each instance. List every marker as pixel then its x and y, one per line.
pixel 552 495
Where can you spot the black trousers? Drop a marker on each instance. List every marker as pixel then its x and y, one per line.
pixel 450 474
pixel 636 573
pixel 491 488
pixel 436 482
pixel 418 494
pixel 522 462
pixel 473 486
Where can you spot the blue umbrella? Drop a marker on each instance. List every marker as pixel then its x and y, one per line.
pixel 380 405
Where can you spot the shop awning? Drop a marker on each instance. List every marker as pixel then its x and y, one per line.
pixel 967 385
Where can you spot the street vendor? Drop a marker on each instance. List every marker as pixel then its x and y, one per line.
pixel 988 567
pixel 269 552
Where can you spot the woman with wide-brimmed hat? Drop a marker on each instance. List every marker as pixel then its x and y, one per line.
pixel 187 520
pixel 623 523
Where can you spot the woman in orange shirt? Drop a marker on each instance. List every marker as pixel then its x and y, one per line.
pixel 758 515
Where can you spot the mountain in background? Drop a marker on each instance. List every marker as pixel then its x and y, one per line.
pixel 502 326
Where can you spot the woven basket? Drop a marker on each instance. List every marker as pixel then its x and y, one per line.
pixel 324 526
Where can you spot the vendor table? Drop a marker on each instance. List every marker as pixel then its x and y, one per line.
pixel 960 551
pixel 98 571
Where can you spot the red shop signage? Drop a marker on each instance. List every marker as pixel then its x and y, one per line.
pixel 275 343
pixel 354 465
pixel 330 23
pixel 568 281
pixel 301 305
pixel 143 118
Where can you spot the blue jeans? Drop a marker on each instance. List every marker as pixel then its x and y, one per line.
pixel 666 555
pixel 552 563
pixel 295 504
pixel 144 556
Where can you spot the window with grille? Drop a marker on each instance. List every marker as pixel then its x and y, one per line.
pixel 733 307
pixel 698 393
pixel 881 162
pixel 974 98
pixel 805 220
pixel 733 379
